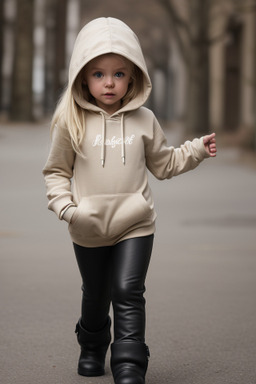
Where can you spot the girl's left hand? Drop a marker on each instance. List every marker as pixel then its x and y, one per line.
pixel 210 144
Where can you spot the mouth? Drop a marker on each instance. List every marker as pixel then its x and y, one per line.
pixel 109 94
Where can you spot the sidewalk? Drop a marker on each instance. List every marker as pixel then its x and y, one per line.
pixel 201 286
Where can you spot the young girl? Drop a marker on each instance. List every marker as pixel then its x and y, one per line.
pixel 96 176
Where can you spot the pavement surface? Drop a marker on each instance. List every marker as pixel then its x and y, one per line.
pixel 201 286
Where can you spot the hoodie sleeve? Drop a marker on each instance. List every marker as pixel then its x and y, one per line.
pixel 165 162
pixel 58 171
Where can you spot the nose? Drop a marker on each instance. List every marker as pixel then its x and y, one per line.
pixel 109 82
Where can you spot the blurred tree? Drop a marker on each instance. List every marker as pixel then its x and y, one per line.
pixel 245 13
pixel 21 93
pixel 254 144
pixel 1 46
pixel 189 24
pixel 55 51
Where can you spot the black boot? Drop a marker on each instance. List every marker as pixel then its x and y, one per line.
pixel 94 347
pixel 129 362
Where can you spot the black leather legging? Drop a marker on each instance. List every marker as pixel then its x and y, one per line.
pixel 116 273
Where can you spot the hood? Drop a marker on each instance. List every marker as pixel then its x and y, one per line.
pixel 101 36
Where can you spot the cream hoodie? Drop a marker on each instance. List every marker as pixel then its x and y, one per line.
pixel 113 202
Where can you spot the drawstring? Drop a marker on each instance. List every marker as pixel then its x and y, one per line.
pixel 103 135
pixel 122 139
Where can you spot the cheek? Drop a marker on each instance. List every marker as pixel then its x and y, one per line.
pixel 93 86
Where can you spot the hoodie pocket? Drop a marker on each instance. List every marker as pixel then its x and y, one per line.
pixel 109 216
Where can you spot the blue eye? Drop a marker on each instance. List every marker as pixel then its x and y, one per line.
pixel 119 74
pixel 98 75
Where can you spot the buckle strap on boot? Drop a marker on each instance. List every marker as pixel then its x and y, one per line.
pixel 85 338
pixel 94 347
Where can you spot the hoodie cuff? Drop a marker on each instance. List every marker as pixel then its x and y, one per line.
pixel 59 203
pixel 67 215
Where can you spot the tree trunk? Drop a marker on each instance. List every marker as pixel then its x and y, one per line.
pixel 1 50
pixel 55 52
pixel 191 35
pixel 21 97
pixel 60 49
pixel 198 67
pixel 254 143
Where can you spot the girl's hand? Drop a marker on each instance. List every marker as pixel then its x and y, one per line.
pixel 210 144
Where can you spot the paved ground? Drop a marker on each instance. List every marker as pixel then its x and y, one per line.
pixel 201 286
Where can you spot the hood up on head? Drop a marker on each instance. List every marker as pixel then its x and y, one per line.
pixel 101 36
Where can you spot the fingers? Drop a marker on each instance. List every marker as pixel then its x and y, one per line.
pixel 210 144
pixel 210 138
pixel 212 149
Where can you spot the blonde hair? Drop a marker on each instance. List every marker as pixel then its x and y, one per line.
pixel 135 85
pixel 74 115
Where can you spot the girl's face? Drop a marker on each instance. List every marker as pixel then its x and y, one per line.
pixel 108 77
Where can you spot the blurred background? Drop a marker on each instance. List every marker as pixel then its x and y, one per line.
pixel 201 57
pixel 201 286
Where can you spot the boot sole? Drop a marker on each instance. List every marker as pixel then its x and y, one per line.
pixel 90 373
